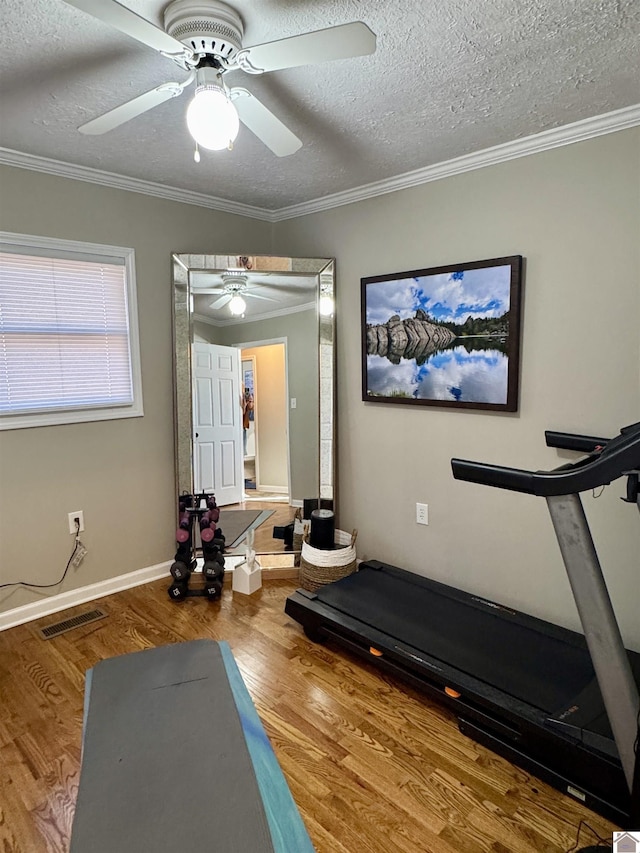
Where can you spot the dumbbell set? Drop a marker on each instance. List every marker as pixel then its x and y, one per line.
pixel 204 509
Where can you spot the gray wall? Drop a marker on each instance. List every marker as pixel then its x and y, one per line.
pixel 574 214
pixel 119 472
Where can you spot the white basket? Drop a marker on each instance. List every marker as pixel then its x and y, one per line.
pixel 318 567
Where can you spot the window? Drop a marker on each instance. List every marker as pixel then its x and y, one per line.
pixel 68 332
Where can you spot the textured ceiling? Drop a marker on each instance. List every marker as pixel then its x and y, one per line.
pixel 447 79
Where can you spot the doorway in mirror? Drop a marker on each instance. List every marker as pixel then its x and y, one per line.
pixel 248 366
pixel 265 420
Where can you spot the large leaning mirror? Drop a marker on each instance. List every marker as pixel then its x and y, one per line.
pixel 254 382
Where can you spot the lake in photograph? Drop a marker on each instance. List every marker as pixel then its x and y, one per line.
pixel 471 372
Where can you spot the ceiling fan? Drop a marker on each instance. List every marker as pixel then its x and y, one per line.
pixel 235 287
pixel 204 37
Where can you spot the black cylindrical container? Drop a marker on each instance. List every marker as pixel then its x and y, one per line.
pixel 308 506
pixel 322 534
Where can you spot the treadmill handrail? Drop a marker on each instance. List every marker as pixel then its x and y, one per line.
pixel 572 441
pixel 619 456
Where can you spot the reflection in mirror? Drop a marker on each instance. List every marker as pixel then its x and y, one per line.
pixel 254 368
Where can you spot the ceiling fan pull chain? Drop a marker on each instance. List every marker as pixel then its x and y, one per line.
pixel 196 154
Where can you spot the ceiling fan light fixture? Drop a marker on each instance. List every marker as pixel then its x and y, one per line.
pixel 237 306
pixel 325 305
pixel 211 117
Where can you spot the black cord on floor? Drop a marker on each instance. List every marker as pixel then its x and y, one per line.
pixel 583 823
pixel 45 585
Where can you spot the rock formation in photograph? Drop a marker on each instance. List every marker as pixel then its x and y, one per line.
pixel 417 337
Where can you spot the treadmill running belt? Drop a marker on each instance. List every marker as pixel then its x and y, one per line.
pixel 531 666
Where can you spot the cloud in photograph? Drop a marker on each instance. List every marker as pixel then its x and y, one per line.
pixel 480 377
pixel 447 297
pixel 386 298
pixel 386 379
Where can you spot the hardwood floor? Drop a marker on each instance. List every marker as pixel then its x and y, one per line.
pixel 373 766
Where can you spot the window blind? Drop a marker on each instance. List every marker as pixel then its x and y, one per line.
pixel 64 333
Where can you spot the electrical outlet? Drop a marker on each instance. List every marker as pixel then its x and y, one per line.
pixel 422 513
pixel 79 515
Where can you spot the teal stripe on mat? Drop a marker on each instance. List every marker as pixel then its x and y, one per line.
pixel 288 832
pixel 88 677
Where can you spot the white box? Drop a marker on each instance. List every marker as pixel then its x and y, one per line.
pixel 245 580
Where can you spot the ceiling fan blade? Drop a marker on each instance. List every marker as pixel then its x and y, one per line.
pixel 264 124
pixel 133 25
pixel 219 303
pixel 258 296
pixel 125 112
pixel 341 42
pixel 291 290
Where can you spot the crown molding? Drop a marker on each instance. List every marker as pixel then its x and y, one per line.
pixel 568 134
pixel 579 131
pixel 60 169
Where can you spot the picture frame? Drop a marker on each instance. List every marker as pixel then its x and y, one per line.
pixel 444 336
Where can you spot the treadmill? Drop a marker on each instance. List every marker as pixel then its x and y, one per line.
pixel 527 689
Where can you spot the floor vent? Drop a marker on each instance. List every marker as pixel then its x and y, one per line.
pixel 69 624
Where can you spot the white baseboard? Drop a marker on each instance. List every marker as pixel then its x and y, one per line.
pixel 64 600
pixel 55 603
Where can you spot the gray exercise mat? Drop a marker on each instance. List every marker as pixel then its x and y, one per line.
pixel 165 765
pixel 236 523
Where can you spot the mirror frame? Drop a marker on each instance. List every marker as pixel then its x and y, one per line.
pixel 324 271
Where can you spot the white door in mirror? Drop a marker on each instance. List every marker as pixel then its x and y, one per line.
pixel 217 423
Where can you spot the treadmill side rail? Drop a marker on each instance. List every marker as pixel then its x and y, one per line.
pixel 599 623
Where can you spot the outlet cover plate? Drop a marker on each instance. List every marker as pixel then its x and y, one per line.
pixel 422 514
pixel 72 524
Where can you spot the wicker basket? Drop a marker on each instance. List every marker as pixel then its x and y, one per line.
pixel 318 568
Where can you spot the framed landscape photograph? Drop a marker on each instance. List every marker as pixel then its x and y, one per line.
pixel 444 336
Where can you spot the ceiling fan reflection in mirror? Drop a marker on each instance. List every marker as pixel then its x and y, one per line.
pixel 234 287
pixel 204 38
